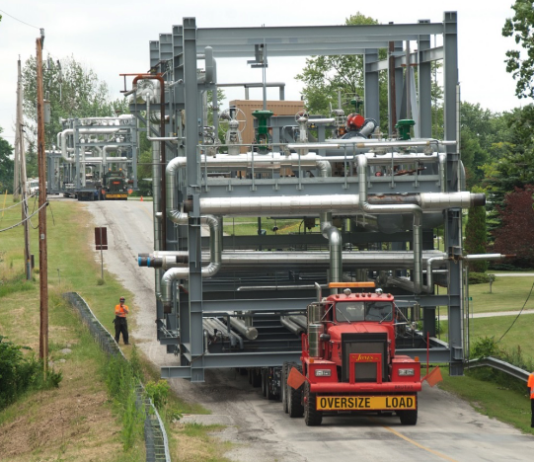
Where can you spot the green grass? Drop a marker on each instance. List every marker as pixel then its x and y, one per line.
pixel 508 294
pixel 248 226
pixel 491 399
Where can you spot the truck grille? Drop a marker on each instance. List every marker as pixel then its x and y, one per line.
pixel 364 343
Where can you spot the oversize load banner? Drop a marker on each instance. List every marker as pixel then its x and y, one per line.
pixel 365 403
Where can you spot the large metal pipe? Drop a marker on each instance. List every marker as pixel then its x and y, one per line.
pixel 207 271
pixel 342 204
pixel 291 326
pixel 416 210
pixel 248 331
pixel 376 260
pixel 330 232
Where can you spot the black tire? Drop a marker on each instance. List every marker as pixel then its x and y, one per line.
pixel 294 397
pixel 264 383
pixel 250 376
pixel 256 378
pixel 312 417
pixel 269 374
pixel 408 417
pixel 284 387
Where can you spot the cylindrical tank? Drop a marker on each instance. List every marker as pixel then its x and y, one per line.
pixel 314 338
pixel 315 313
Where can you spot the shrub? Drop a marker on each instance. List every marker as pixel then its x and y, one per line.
pixel 19 373
pixel 480 278
pixel 158 393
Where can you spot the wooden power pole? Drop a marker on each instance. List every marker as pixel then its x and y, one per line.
pixel 43 257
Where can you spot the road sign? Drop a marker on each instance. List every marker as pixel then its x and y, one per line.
pixel 101 238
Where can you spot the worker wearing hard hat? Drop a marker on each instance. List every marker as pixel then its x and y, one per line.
pixel 121 323
pixel 530 385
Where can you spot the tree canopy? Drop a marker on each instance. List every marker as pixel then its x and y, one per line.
pixel 521 63
pixel 7 165
pixel 73 91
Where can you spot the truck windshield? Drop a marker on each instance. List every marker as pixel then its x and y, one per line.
pixel 363 311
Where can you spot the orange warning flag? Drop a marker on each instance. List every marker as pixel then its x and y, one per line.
pixel 434 377
pixel 295 378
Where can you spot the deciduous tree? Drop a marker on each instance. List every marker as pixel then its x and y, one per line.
pixel 7 165
pixel 515 236
pixel 520 63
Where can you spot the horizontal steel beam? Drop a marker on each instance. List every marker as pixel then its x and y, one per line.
pixel 266 305
pixel 308 40
pixel 427 56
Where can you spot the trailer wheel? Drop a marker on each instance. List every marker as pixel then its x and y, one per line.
pixel 284 387
pixel 263 383
pixel 294 397
pixel 408 417
pixel 256 378
pixel 312 417
pixel 269 376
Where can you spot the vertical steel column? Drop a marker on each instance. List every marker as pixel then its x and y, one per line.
pixel 399 79
pixel 134 137
pixel 196 343
pixel 392 90
pixel 76 135
pixel 425 86
pixel 371 87
pixel 453 223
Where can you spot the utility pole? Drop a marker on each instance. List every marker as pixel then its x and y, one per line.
pixel 22 162
pixel 16 175
pixel 43 258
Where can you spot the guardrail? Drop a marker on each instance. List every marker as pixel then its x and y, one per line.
pixel 156 442
pixel 502 366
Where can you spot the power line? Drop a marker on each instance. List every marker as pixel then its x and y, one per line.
pixel 518 314
pixel 27 218
pixel 13 17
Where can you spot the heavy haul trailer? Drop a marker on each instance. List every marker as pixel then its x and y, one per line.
pixel 370 204
pixel 87 150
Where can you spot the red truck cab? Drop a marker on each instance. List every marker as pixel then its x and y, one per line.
pixel 348 359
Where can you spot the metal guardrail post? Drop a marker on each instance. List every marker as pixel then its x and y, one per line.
pixel 156 442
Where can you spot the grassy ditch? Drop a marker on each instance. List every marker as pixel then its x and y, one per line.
pixel 88 418
pixel 504 400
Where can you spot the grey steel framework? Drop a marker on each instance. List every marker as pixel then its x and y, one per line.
pixel 205 313
pixel 92 144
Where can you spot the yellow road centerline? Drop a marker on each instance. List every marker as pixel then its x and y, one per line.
pixel 415 443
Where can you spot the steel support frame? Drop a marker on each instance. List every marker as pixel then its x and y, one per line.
pixel 188 43
pixel 453 219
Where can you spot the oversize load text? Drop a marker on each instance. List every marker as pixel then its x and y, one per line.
pixel 373 403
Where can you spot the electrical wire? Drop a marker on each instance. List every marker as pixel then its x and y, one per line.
pixel 27 218
pixel 18 203
pixel 13 17
pixel 518 314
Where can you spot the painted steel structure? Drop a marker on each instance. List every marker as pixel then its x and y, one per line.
pixel 86 150
pixel 376 209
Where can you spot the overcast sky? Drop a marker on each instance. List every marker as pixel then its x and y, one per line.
pixel 112 36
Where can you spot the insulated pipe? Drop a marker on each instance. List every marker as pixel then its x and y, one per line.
pixel 407 208
pixel 343 204
pixel 207 271
pixel 299 320
pixel 330 232
pixel 249 332
pixel 291 326
pixel 245 260
pixel 159 78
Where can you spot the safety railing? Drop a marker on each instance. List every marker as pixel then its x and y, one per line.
pixel 156 442
pixel 500 365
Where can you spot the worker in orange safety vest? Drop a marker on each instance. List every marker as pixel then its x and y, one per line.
pixel 530 385
pixel 121 324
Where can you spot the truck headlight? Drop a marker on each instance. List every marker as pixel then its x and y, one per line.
pixel 323 372
pixel 406 372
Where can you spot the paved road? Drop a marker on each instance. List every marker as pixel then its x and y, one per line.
pixel 448 428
